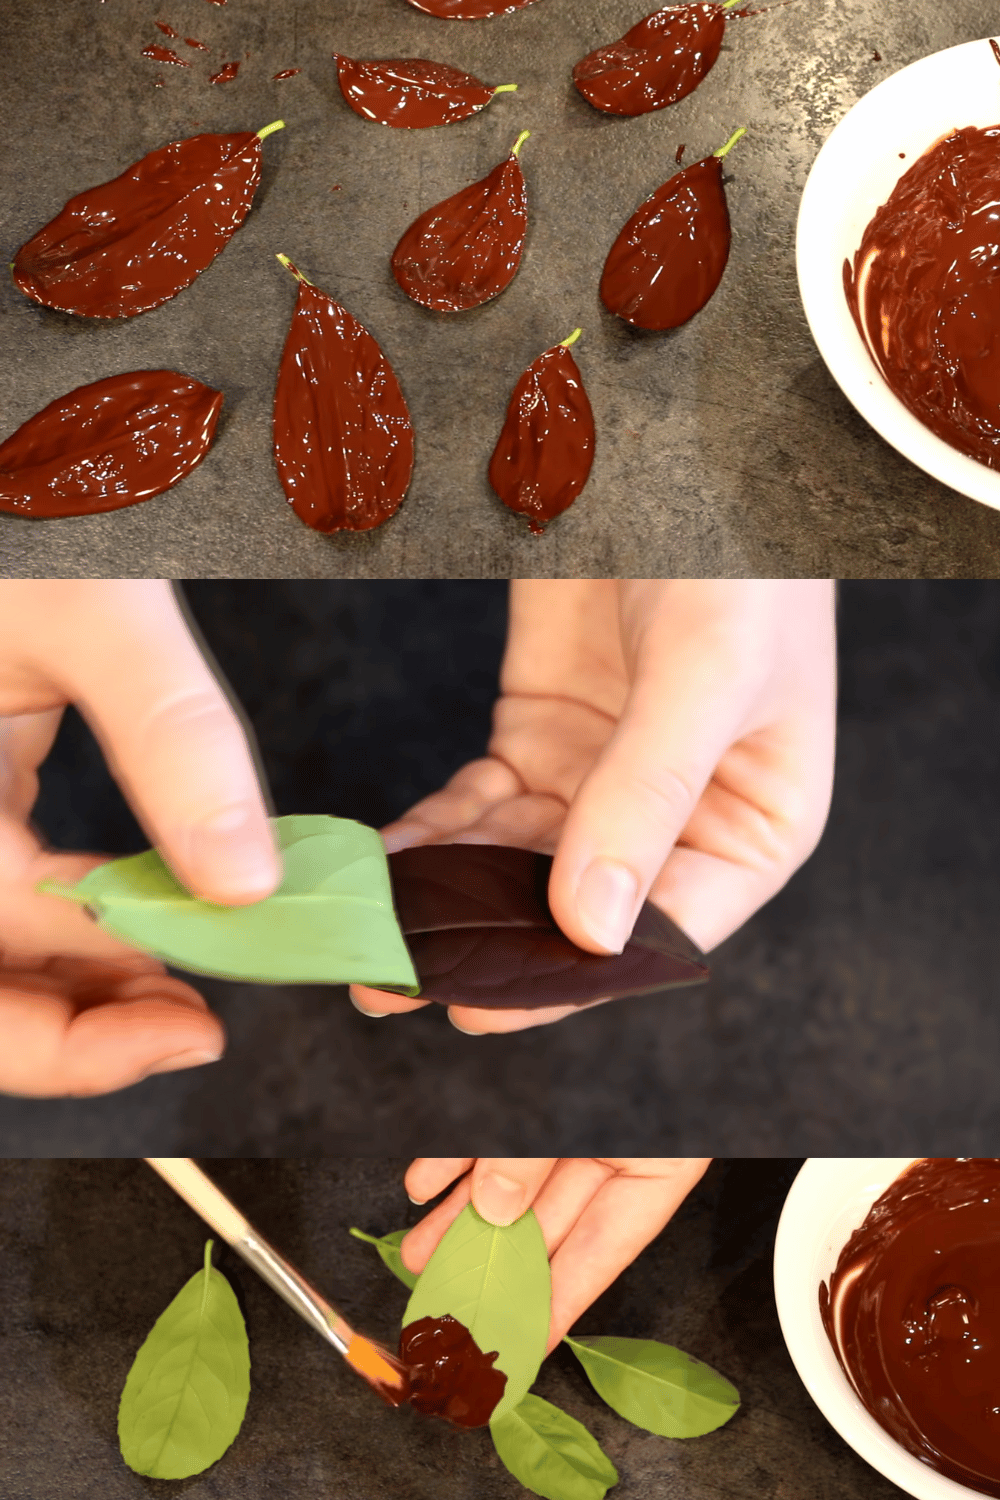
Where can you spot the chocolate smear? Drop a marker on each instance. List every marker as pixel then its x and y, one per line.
pixel 449 1374
pixel 657 62
pixel 412 93
pixel 469 10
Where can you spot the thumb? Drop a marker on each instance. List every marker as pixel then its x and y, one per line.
pixel 504 1187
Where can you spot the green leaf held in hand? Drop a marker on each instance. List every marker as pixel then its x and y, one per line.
pixel 388 1248
pixel 552 1453
pixel 656 1386
pixel 496 1282
pixel 186 1394
pixel 331 921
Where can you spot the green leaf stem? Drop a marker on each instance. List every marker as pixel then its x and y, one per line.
pixel 656 1386
pixel 552 1453
pixel 388 1249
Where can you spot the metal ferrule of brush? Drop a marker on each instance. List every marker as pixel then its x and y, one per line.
pixel 293 1287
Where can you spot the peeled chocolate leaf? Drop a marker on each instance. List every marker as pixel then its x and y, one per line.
pixel 495 1282
pixel 659 61
pixel 479 930
pixel 388 1249
pixel 464 251
pixel 468 10
pixel 331 920
pixel 186 1394
pixel 656 1386
pixel 552 1453
pixel 412 93
pixel 133 243
pixel 109 444
pixel 343 440
pixel 545 452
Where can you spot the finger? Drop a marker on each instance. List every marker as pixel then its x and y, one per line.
pixel 25 741
pixel 421 1242
pixel 710 898
pixel 427 1176
pixel 504 1187
pixel 377 1004
pixel 472 1022
pixel 459 804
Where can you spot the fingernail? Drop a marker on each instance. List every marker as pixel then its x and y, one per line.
pixel 373 1015
pixel 417 1202
pixel 499 1199
pixel 235 854
pixel 400 838
pixel 193 1059
pixel 463 1029
pixel 606 899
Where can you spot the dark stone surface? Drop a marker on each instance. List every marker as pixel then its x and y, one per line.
pixel 92 1251
pixel 724 449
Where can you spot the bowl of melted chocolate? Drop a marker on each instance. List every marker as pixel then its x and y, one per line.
pixel 887 1280
pixel 898 254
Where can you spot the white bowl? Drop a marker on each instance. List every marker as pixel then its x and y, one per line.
pixel 853 176
pixel 828 1200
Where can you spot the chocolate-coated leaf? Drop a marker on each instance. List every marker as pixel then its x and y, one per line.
pixel 659 61
pixel 480 932
pixel 132 243
pixel 109 444
pixel 412 93
pixel 656 1386
pixel 464 251
pixel 544 455
pixel 331 920
pixel 552 1453
pixel 496 1283
pixel 388 1249
pixel 468 10
pixel 343 440
pixel 186 1394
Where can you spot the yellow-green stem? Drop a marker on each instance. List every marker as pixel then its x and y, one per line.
pixel 294 270
pixel 270 129
pixel 568 343
pixel 520 142
pixel 505 88
pixel 728 4
pixel 724 150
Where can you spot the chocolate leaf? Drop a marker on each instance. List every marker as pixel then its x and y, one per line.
pixel 109 444
pixel 496 1283
pixel 479 929
pixel 464 251
pixel 411 92
pixel 186 1394
pixel 545 452
pixel 331 921
pixel 656 1386
pixel 659 61
pixel 468 10
pixel 343 440
pixel 388 1249
pixel 133 243
pixel 552 1453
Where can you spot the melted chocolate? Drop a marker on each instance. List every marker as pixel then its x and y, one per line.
pixel 923 291
pixel 410 93
pixel 190 41
pixel 108 445
pixel 469 10
pixel 546 448
pixel 464 251
pixel 661 60
pixel 131 244
pixel 164 55
pixel 226 74
pixel 285 73
pixel 450 1376
pixel 913 1312
pixel 478 926
pixel 167 30
pixel 669 258
pixel 343 440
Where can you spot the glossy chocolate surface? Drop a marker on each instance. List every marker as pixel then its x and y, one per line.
pixel 923 291
pixel 226 73
pixel 343 440
pixel 477 923
pixel 410 93
pixel 449 1374
pixel 670 257
pixel 546 449
pixel 913 1312
pixel 158 53
pixel 469 10
pixel 133 243
pixel 659 61
pixel 466 250
pixel 108 445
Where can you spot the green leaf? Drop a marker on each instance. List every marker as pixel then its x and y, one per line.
pixel 496 1282
pixel 552 1453
pixel 331 921
pixel 656 1386
pixel 388 1248
pixel 186 1394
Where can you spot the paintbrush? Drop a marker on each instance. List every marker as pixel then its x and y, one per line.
pixel 382 1370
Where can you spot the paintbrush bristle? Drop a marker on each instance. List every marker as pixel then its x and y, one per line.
pixel 379 1368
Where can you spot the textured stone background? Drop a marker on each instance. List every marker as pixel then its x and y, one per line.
pixel 91 1252
pixel 725 449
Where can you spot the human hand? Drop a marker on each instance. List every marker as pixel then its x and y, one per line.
pixel 669 739
pixel 596 1212
pixel 81 1012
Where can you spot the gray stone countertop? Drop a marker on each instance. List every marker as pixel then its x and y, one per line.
pixel 724 449
pixel 91 1252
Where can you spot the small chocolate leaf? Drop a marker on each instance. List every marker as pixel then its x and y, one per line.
pixel 412 93
pixel 656 1386
pixel 661 60
pixel 552 1453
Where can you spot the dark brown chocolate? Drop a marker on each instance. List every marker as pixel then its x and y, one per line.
pixel 469 10
pixel 913 1313
pixel 661 60
pixel 226 73
pixel 156 52
pixel 546 449
pixel 449 1374
pixel 478 926
pixel 410 93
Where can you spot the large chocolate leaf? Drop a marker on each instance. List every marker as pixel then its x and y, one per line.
pixel 657 62
pixel 412 93
pixel 133 243
pixel 468 10
pixel 107 445
pixel 478 926
pixel 343 440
